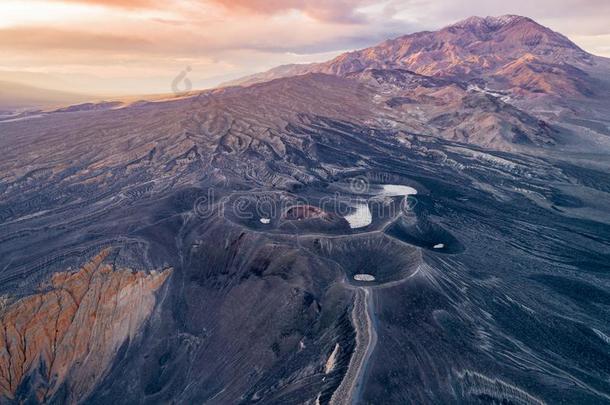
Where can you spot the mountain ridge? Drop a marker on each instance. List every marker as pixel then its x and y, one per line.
pixel 474 48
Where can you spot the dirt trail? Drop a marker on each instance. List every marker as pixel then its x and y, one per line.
pixel 348 391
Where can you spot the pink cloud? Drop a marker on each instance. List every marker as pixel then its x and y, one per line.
pixel 343 11
pixel 119 3
pixel 324 10
pixel 40 38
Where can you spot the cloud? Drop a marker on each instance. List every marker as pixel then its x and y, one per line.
pixel 134 4
pixel 338 11
pixel 342 11
pixel 40 39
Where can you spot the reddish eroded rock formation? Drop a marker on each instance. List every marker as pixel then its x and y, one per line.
pixel 71 330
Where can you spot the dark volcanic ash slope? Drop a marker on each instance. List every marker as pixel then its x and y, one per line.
pixel 230 272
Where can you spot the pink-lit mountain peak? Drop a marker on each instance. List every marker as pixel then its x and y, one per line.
pixel 492 23
pixel 507 36
pixel 474 48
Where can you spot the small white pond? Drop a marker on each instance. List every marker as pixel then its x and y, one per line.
pixel 265 220
pixel 439 246
pixel 361 217
pixel 394 190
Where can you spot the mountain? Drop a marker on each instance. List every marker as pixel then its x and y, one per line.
pixel 16 96
pixel 378 233
pixel 512 58
pixel 502 51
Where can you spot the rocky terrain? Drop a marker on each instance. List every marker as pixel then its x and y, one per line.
pixel 65 336
pixel 426 221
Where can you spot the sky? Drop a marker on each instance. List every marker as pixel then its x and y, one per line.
pixel 129 47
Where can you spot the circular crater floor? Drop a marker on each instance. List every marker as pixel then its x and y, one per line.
pixel 424 234
pixel 368 259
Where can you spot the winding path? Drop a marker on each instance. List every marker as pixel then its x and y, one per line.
pixel 349 390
